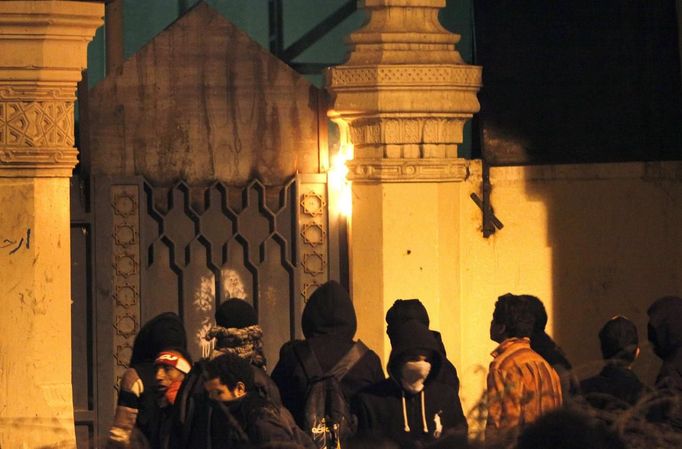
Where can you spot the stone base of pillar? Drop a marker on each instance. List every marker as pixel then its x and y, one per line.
pixel 35 351
pixel 405 244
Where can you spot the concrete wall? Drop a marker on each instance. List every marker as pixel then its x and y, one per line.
pixel 591 241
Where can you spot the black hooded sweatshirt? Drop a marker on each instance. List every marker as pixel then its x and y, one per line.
pixel 431 418
pixel 161 332
pixel 412 309
pixel 328 324
pixel 665 334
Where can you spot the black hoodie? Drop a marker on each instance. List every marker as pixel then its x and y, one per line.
pixel 665 334
pixel 328 324
pixel 430 418
pixel 406 309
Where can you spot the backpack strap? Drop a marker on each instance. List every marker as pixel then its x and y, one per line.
pixel 311 366
pixel 348 361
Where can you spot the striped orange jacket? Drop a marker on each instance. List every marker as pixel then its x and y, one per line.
pixel 521 387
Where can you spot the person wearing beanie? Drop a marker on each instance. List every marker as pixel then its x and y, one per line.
pixel 329 324
pixel 405 309
pixel 236 333
pixel 240 417
pixel 412 407
pixel 521 385
pixel 616 387
pixel 171 365
pixel 138 416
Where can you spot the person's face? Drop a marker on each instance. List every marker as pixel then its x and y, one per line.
pixel 218 391
pixel 497 331
pixel 166 375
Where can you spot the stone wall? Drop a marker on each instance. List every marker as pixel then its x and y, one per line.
pixel 591 241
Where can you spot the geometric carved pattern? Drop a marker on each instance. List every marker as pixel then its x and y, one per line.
pixel 314 263
pixel 313 228
pixel 312 204
pixel 203 242
pixel 126 296
pixel 126 273
pixel 37 128
pixel 36 124
pixel 313 234
pixel 462 75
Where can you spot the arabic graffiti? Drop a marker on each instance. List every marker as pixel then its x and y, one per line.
pixel 15 245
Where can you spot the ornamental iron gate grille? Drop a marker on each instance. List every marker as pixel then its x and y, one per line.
pixel 146 249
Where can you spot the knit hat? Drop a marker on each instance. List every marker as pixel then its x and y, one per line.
pixel 174 358
pixel 236 313
pixel 403 310
pixel 246 342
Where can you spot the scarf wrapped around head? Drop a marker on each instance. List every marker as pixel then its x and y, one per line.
pixel 246 342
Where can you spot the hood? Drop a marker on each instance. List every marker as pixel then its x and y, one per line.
pixel 404 310
pixel 543 344
pixel 665 326
pixel 329 311
pixel 409 337
pixel 161 332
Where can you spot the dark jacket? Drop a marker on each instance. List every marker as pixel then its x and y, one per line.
pixel 615 388
pixel 161 332
pixel 251 422
pixel 384 409
pixel 543 344
pixel 665 334
pixel 328 324
pixel 192 422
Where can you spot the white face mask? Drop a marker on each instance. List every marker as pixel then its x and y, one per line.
pixel 413 375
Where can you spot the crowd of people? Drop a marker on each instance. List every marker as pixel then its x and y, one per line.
pixel 329 390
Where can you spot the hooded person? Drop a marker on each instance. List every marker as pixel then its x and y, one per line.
pixel 412 407
pixel 665 335
pixel 544 345
pixel 404 310
pixel 137 420
pixel 236 332
pixel 329 324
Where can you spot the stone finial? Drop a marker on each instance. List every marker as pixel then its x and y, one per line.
pixel 405 94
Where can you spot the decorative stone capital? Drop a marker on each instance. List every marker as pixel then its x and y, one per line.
pixel 43 50
pixel 407 170
pixel 404 93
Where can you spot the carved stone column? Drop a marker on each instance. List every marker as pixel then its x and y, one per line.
pixel 42 53
pixel 402 99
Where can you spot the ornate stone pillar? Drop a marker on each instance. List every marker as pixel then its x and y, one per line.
pixel 402 98
pixel 42 53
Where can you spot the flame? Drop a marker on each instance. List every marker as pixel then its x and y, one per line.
pixel 338 181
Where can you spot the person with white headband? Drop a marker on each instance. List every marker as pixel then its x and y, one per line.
pixel 412 407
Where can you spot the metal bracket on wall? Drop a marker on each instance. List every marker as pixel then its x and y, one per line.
pixel 490 221
pixel 312 36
